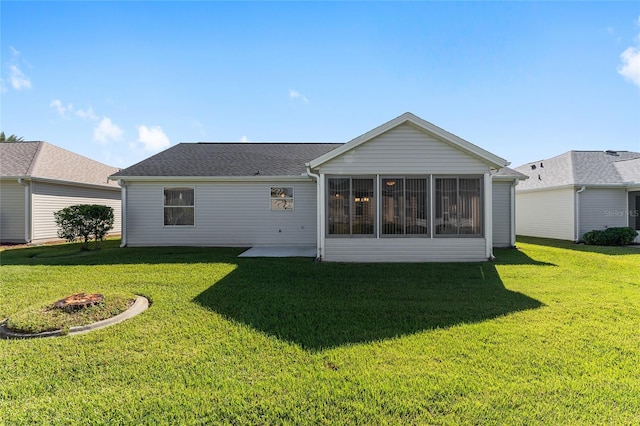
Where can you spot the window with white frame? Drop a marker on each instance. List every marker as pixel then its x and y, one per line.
pixel 179 206
pixel 458 206
pixel 281 198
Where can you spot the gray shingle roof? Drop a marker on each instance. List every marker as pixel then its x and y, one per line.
pixel 43 160
pixel 230 159
pixel 582 168
pixel 509 172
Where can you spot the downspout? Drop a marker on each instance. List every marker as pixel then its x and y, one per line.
pixel 316 177
pixel 513 212
pixel 488 215
pixel 123 213
pixel 577 215
pixel 27 209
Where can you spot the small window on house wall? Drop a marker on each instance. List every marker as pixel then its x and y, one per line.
pixel 281 198
pixel 179 206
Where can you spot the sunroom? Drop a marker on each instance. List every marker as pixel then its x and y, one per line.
pixel 405 191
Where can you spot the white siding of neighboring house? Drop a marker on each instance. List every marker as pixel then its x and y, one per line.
pixel 48 198
pixel 502 214
pixel 404 250
pixel 602 208
pixel 226 214
pixel 405 149
pixel 12 212
pixel 547 214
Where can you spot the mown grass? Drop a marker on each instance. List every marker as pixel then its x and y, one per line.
pixel 547 334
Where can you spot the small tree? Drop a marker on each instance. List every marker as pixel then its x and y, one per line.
pixel 83 221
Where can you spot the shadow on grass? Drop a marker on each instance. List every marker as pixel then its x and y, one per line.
pixel 514 256
pixel 112 254
pixel 570 245
pixel 319 306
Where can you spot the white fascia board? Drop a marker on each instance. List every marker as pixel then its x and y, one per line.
pixel 578 186
pixel 508 178
pixel 424 125
pixel 301 178
pixel 63 182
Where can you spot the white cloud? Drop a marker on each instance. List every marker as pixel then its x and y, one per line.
pixel 19 81
pixel 153 139
pixel 87 114
pixel 106 131
pixel 294 95
pixel 61 109
pixel 630 67
pixel 244 139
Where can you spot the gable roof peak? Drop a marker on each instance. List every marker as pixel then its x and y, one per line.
pixel 424 126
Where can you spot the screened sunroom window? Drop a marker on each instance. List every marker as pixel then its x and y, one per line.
pixel 179 206
pixel 350 206
pixel 458 206
pixel 404 206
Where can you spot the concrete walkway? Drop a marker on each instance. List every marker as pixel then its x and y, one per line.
pixel 279 252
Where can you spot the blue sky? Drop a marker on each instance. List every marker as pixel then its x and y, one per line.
pixel 120 81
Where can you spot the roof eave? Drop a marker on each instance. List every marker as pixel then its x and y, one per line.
pixel 622 185
pixel 61 182
pixel 301 178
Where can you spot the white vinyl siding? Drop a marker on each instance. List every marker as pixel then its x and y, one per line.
pixel 547 214
pixel 12 212
pixel 502 214
pixel 405 150
pixel 232 214
pixel 602 208
pixel 404 250
pixel 48 198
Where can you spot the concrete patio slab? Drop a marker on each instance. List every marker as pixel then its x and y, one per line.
pixel 279 252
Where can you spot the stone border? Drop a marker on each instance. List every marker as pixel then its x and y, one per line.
pixel 140 305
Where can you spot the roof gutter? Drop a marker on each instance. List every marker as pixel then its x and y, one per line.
pixel 316 177
pixel 27 208
pixel 303 177
pixel 63 182
pixel 622 185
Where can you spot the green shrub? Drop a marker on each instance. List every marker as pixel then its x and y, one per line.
pixel 610 237
pixel 83 221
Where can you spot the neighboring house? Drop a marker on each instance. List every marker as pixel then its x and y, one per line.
pixel 404 191
pixel 577 192
pixel 38 179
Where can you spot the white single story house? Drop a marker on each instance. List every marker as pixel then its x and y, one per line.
pixel 404 191
pixel 577 192
pixel 38 179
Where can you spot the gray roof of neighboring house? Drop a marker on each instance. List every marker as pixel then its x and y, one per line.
pixel 46 161
pixel 230 159
pixel 582 168
pixel 509 172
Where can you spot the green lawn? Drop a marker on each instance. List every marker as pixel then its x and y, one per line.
pixel 548 334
